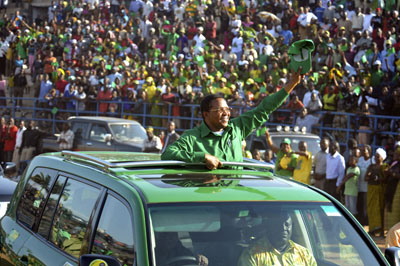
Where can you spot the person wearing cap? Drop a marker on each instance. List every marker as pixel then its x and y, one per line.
pixel 377 74
pixel 286 160
pixel 375 176
pixel 218 138
pixel 388 57
pixel 153 142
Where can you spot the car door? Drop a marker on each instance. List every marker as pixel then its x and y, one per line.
pixel 114 235
pixel 97 138
pixel 62 232
pixel 16 232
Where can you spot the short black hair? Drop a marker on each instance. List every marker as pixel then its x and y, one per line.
pixel 206 102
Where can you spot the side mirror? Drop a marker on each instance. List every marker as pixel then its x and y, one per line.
pixel 108 138
pixel 392 256
pixel 10 169
pixel 97 259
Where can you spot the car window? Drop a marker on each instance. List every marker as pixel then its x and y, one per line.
pixel 129 132
pixel 34 196
pixel 312 143
pixel 47 217
pixel 72 216
pixel 114 234
pixel 79 128
pixel 238 233
pixel 98 133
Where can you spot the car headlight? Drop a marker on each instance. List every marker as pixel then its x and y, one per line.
pixel 3 208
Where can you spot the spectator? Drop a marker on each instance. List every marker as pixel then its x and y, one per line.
pixel 363 163
pixel 335 170
pixel 302 172
pixel 9 140
pixel 350 185
pixel 305 120
pixel 286 160
pixel 18 143
pixel 392 199
pixel 375 195
pixel 66 138
pixel 30 140
pixel 152 143
pixel 170 136
pixel 256 155
pixel 320 164
pixel 269 156
pixel 3 134
pixel 19 86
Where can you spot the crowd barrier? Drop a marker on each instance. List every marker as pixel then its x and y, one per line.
pixel 52 118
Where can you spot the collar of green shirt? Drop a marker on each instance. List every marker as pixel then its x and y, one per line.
pixel 204 130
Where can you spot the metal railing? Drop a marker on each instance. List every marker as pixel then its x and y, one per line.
pixel 186 116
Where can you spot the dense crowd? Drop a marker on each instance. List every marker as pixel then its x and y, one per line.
pixel 84 54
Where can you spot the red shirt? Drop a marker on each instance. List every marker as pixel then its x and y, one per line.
pixel 60 85
pixel 104 96
pixel 10 139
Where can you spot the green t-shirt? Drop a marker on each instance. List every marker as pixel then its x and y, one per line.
pixel 350 187
pixel 195 143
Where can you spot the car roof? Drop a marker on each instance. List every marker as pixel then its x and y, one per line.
pixel 103 119
pixel 172 181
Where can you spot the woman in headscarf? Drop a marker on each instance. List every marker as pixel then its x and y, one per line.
pixel 392 193
pixel 376 191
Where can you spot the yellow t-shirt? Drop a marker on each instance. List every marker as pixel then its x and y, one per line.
pixel 302 172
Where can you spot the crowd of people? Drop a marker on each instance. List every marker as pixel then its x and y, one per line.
pixel 366 182
pixel 121 56
pixel 83 54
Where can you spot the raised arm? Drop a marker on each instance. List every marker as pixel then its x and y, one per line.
pixel 274 148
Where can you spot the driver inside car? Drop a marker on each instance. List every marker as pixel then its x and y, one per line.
pixel 171 252
pixel 277 248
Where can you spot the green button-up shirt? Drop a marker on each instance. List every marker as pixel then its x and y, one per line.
pixel 195 143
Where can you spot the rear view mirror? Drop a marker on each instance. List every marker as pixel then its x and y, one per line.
pixel 98 260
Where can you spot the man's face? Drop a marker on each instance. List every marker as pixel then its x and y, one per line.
pixel 218 115
pixel 285 147
pixel 332 148
pixel 150 135
pixel 279 230
pixel 171 126
pixel 302 146
pixel 324 145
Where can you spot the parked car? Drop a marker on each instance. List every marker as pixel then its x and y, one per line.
pixel 100 133
pixel 7 186
pixel 121 208
pixel 277 135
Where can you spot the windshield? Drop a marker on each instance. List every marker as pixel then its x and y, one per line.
pixel 244 232
pixel 129 132
pixel 312 143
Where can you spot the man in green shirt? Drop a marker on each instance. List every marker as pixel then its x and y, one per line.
pixel 220 139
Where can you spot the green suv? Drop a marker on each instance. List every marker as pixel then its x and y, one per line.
pixel 121 208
